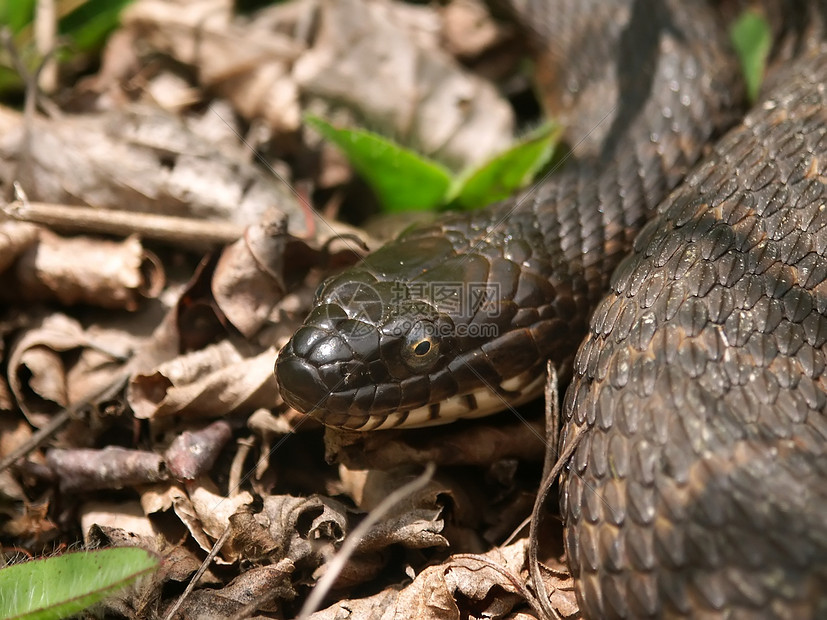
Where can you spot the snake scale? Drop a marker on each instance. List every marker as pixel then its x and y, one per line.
pixel 698 487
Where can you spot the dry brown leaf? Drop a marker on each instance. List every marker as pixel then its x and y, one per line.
pixel 32 527
pixel 380 606
pixel 213 509
pixel 82 270
pixel 12 494
pixel 143 599
pixel 203 511
pixel 415 528
pixel 15 237
pixel 56 362
pixel 172 92
pixel 559 585
pixel 126 516
pixel 415 522
pixel 248 62
pixel 382 61
pixel 6 397
pixel 119 63
pixel 208 383
pixel 143 159
pixel 13 433
pixel 468 29
pixel 262 586
pixel 179 562
pixel 482 589
pixel 247 283
pixel 160 497
pixel 265 423
pixel 308 531
pixel 305 531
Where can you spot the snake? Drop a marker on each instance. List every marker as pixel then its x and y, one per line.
pixel 674 270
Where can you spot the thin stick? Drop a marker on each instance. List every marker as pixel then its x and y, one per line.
pixel 57 421
pixel 179 231
pixel 45 35
pixel 551 471
pixel 335 566
pixel 533 562
pixel 201 570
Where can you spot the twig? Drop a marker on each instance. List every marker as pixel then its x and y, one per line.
pixel 57 422
pixel 237 465
pixel 534 563
pixel 335 566
pixel 551 470
pixel 201 570
pixel 552 415
pixel 179 231
pixel 45 33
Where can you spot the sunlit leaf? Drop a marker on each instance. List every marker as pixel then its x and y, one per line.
pixel 63 585
pixel 401 179
pixel 88 25
pixel 16 13
pixel 507 172
pixel 752 39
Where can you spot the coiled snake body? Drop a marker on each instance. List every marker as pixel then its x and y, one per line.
pixel 699 484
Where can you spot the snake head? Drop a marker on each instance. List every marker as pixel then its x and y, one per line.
pixel 419 334
pixel 365 350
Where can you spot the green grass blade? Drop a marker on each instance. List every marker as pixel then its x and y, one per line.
pixel 63 585
pixel 509 171
pixel 752 40
pixel 401 179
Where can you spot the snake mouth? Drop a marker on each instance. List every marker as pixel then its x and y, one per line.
pixel 354 409
pixel 481 402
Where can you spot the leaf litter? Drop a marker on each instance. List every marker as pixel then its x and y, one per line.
pixel 158 248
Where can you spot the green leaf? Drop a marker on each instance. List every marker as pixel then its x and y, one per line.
pixel 16 13
pixel 507 172
pixel 90 23
pixel 752 39
pixel 63 585
pixel 401 179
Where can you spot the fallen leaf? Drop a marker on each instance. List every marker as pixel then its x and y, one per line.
pixel 82 270
pixel 382 61
pixel 208 383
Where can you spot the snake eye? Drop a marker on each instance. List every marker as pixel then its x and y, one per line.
pixel 421 347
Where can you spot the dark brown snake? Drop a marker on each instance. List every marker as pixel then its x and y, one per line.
pixel 699 398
